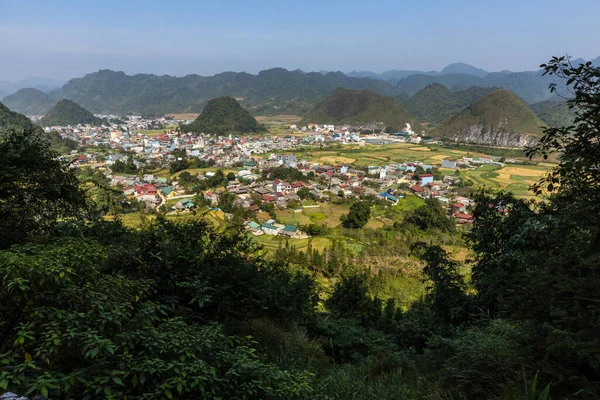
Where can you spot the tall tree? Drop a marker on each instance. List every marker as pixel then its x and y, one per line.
pixel 36 188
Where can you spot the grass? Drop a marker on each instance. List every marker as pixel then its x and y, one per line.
pixel 271 243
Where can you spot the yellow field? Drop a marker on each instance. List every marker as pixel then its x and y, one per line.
pixel 281 119
pixel 186 116
pixel 336 160
pixel 516 178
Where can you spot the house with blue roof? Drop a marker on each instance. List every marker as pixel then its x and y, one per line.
pixel 389 197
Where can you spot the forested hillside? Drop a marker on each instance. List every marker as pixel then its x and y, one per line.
pixel 345 106
pixel 224 115
pixel 92 309
pixel 555 113
pixel 435 102
pixel 67 112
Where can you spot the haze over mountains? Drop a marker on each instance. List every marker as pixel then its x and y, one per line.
pixel 274 91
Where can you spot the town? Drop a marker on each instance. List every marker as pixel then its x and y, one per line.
pixel 256 174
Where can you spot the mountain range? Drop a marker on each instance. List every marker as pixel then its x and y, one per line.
pixel 274 91
pixel 270 92
pixel 43 84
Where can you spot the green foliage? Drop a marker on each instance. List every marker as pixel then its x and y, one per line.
pixel 344 340
pixel 447 289
pixel 285 173
pixel 430 216
pixel 345 106
pixel 120 312
pixel 554 113
pixel 226 200
pixel 351 299
pixel 488 361
pixel 127 167
pixel 359 215
pixel 67 112
pixel 224 115
pixel 36 189
pixel 13 120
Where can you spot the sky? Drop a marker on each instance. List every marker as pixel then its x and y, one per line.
pixel 62 39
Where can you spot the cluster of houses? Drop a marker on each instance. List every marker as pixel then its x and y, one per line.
pixel 249 156
pixel 271 227
pixel 321 182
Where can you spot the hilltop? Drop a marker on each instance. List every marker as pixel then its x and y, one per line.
pixel 30 101
pixel 500 118
pixel 462 68
pixel 435 102
pixel 345 106
pixel 67 112
pixel 224 115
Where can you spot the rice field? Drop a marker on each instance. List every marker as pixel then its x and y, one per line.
pixel 513 177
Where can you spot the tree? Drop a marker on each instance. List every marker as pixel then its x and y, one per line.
pixel 537 262
pixel 303 193
pixel 447 289
pixel 359 215
pixel 36 188
pixel 351 299
pixel 78 320
pixel 230 176
pixel 226 200
pixel 431 215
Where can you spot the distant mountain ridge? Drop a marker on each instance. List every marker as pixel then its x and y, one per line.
pixel 274 91
pixel 30 101
pixel 499 119
pixel 345 106
pixel 43 84
pixel 462 68
pixel 67 112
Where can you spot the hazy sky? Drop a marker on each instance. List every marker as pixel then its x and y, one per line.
pixel 64 39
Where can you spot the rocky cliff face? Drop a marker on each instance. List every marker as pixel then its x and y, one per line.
pixel 493 136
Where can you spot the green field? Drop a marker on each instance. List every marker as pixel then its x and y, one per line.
pixel 490 176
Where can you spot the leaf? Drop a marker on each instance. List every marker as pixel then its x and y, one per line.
pixel 117 380
pixel 168 394
pixel 44 391
pixel 28 356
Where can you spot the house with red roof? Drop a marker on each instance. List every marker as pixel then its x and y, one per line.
pixel 417 189
pixel 463 218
